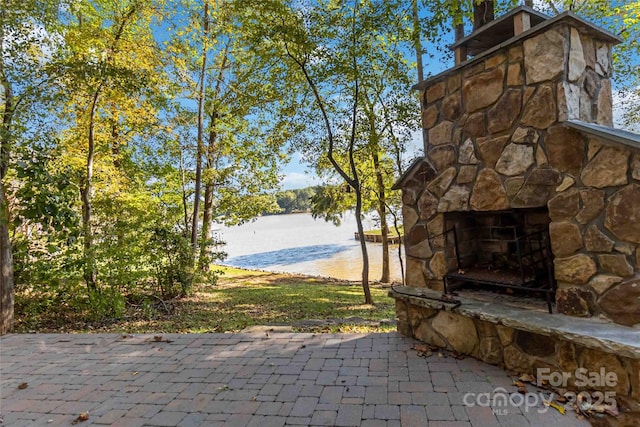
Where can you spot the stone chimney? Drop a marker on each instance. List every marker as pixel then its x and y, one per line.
pixel 527 73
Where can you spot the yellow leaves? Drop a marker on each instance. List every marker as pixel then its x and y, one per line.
pixel 557 407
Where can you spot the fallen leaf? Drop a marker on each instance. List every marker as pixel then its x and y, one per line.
pixel 527 378
pixel 602 408
pixel 557 407
pixel 159 338
pixel 519 384
pixel 420 347
pixel 84 416
pixel 22 386
pixel 612 410
pixel 522 390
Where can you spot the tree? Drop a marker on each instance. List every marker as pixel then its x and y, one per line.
pixel 342 51
pixel 27 42
pixel 243 118
pixel 105 89
pixel 320 43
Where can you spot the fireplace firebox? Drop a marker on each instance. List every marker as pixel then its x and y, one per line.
pixel 507 250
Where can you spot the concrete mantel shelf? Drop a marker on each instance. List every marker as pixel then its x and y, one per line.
pixel 592 333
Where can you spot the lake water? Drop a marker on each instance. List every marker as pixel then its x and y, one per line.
pixel 297 243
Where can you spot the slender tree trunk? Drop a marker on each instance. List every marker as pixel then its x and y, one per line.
pixel 6 255
pixel 417 44
pixel 85 193
pixel 382 211
pixel 183 181
pixel 200 147
pixel 482 13
pixel 207 215
pixel 6 264
pixel 115 139
pixel 207 218
pixel 363 247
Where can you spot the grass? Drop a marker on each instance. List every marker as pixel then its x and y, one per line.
pixel 392 231
pixel 244 298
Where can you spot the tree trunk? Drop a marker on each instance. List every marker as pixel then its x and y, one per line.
pixel 85 193
pixel 363 247
pixel 6 255
pixel 417 44
pixel 482 13
pixel 183 181
pixel 207 213
pixel 382 211
pixel 207 218
pixel 200 148
pixel 6 264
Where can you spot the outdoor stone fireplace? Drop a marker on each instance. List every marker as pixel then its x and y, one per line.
pixel 520 136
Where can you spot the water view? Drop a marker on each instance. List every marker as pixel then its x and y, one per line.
pixel 297 243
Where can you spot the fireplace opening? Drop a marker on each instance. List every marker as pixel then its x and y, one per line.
pixel 506 252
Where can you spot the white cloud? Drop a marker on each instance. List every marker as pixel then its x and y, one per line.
pixel 293 180
pixel 623 102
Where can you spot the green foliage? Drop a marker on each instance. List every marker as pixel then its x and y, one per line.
pixel 242 298
pixel 296 200
pixel 171 260
pixel 102 305
pixel 331 201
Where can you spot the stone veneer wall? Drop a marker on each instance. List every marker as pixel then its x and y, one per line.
pixel 524 352
pixel 495 141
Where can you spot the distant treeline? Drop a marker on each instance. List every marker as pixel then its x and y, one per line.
pixel 292 201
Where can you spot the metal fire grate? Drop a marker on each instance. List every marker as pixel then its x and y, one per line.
pixel 499 256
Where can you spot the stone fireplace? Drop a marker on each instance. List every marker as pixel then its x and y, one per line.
pixel 519 140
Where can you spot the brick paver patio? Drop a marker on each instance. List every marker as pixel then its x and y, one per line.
pixel 252 380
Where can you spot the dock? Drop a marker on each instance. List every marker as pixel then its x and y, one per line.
pixel 377 238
